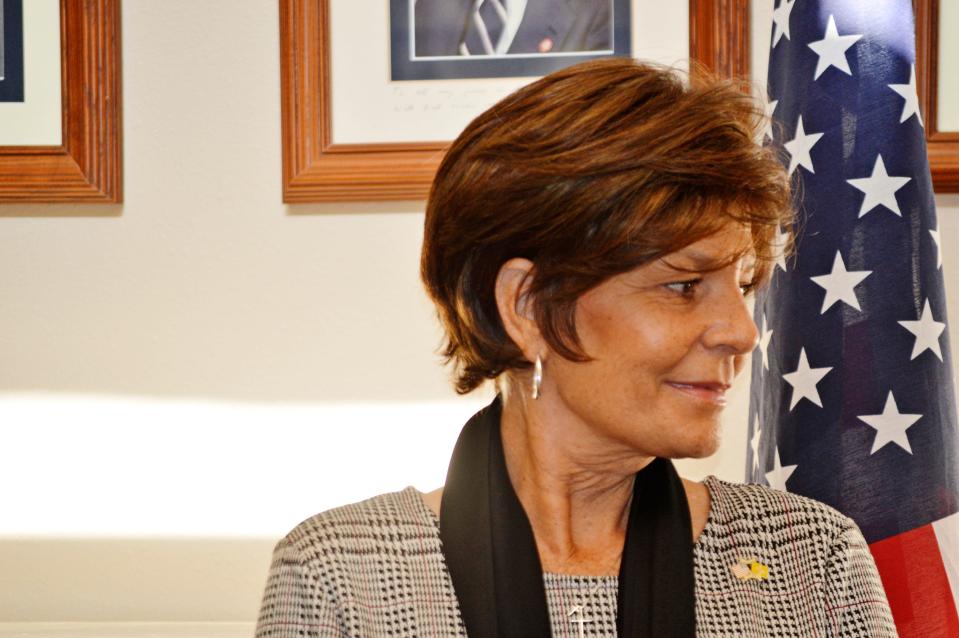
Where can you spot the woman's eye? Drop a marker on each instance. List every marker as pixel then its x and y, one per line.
pixel 748 288
pixel 685 288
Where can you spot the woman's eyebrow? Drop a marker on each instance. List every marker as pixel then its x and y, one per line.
pixel 695 260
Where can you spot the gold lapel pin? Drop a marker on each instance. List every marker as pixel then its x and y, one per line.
pixel 750 569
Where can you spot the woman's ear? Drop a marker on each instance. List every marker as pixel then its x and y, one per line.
pixel 516 306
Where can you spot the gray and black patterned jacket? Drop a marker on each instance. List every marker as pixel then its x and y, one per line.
pixel 376 568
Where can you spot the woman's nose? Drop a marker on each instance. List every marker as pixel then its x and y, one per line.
pixel 731 326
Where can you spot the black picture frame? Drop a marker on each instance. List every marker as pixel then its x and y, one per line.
pixel 11 63
pixel 405 66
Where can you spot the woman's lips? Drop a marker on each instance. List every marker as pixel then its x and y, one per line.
pixel 711 392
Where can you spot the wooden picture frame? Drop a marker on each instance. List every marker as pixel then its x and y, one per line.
pixel 943 147
pixel 317 170
pixel 87 165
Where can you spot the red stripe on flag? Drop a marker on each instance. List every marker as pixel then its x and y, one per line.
pixel 916 583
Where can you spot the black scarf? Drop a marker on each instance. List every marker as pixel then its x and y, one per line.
pixel 491 552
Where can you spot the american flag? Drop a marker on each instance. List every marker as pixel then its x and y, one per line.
pixel 852 399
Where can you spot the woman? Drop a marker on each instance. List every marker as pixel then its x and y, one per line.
pixel 589 243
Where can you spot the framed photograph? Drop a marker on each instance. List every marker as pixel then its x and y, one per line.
pixel 937 74
pixel 11 50
pixel 443 40
pixel 352 132
pixel 61 141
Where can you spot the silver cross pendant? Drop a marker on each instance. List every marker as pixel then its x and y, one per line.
pixel 577 617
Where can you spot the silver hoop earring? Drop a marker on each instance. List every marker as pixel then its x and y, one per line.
pixel 537 376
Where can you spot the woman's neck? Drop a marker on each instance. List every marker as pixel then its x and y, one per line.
pixel 575 487
pixel 576 490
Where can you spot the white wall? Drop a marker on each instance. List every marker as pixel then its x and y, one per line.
pixel 186 376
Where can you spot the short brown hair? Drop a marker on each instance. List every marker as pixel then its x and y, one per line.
pixel 588 172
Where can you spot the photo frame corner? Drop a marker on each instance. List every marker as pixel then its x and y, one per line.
pixel 942 146
pixel 87 166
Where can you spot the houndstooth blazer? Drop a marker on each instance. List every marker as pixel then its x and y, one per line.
pixel 376 568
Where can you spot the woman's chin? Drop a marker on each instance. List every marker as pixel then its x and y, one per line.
pixel 700 447
pixel 703 453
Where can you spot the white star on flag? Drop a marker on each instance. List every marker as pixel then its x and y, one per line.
pixel 781 20
pixel 804 381
pixel 935 238
pixel 880 189
pixel 890 426
pixel 764 340
pixel 909 93
pixel 754 444
pixel 927 331
pixel 832 49
pixel 799 148
pixel 769 107
pixel 780 473
pixel 840 284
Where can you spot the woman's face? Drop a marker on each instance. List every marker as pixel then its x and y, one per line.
pixel 666 340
